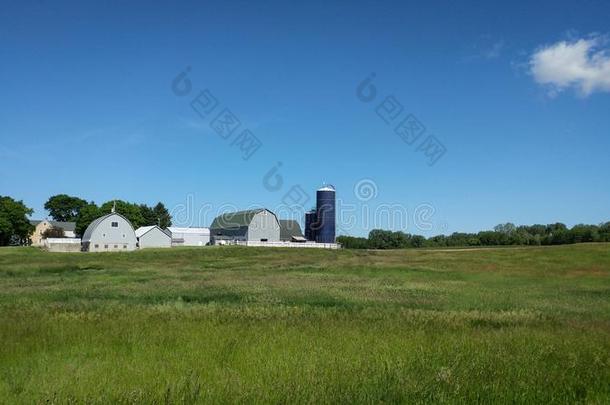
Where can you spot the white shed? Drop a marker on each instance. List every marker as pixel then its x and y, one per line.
pixel 189 236
pixel 153 237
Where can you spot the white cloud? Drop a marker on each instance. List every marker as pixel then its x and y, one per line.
pixel 582 64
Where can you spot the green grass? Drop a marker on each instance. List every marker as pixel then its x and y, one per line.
pixel 248 325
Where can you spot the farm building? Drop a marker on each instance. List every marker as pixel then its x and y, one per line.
pixel 310 225
pixel 189 236
pixel 112 232
pixel 259 225
pixel 153 237
pixel 290 231
pixel 41 226
pixel 62 244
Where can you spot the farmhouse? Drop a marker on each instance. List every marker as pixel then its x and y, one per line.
pixel 259 225
pixel 112 232
pixel 290 231
pixel 41 226
pixel 153 237
pixel 189 236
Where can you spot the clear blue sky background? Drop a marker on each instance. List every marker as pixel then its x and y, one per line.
pixel 87 108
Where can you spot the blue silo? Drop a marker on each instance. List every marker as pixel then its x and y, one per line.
pixel 310 225
pixel 325 215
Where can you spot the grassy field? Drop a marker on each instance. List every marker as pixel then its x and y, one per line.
pixel 248 325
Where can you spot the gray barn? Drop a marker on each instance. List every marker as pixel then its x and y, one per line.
pixel 153 237
pixel 259 225
pixel 112 232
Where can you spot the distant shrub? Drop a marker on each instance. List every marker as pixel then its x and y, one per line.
pixel 53 232
pixel 352 242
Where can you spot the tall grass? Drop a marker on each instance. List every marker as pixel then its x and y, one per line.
pixel 231 324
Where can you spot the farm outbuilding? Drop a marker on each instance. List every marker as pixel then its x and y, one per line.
pixel 290 231
pixel 259 225
pixel 153 237
pixel 189 236
pixel 62 244
pixel 112 232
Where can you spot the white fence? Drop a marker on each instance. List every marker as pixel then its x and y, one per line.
pixel 290 244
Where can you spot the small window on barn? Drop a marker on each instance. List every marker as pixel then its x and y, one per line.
pixel 105 246
pixel 116 246
pixel 96 245
pixel 124 246
pixel 115 224
pixel 123 235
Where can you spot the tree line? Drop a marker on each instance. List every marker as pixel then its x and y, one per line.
pixel 503 234
pixel 15 227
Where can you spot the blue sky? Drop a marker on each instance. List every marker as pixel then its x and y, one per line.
pixel 518 94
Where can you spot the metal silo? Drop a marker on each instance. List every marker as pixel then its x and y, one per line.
pixel 310 225
pixel 325 215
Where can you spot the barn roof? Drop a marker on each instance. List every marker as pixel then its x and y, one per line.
pixel 145 229
pixel 236 219
pixel 96 222
pixel 289 228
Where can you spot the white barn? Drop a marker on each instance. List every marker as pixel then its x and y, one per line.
pixel 112 232
pixel 189 236
pixel 153 237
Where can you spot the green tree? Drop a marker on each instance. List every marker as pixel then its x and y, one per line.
pixel 149 215
pixel 379 239
pixel 604 232
pixel 130 211
pixel 437 241
pixel 87 214
pixel 536 240
pixel 6 230
pixel 15 226
pixel 382 239
pixel 352 242
pixel 417 241
pixel 53 232
pixel 163 216
pixel 507 228
pixel 503 234
pixel 489 238
pixel 536 229
pixel 63 207
pixel 584 233
pixel 158 215
pixel 557 234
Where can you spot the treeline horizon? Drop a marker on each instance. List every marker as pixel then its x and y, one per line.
pixel 66 208
pixel 15 226
pixel 507 234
